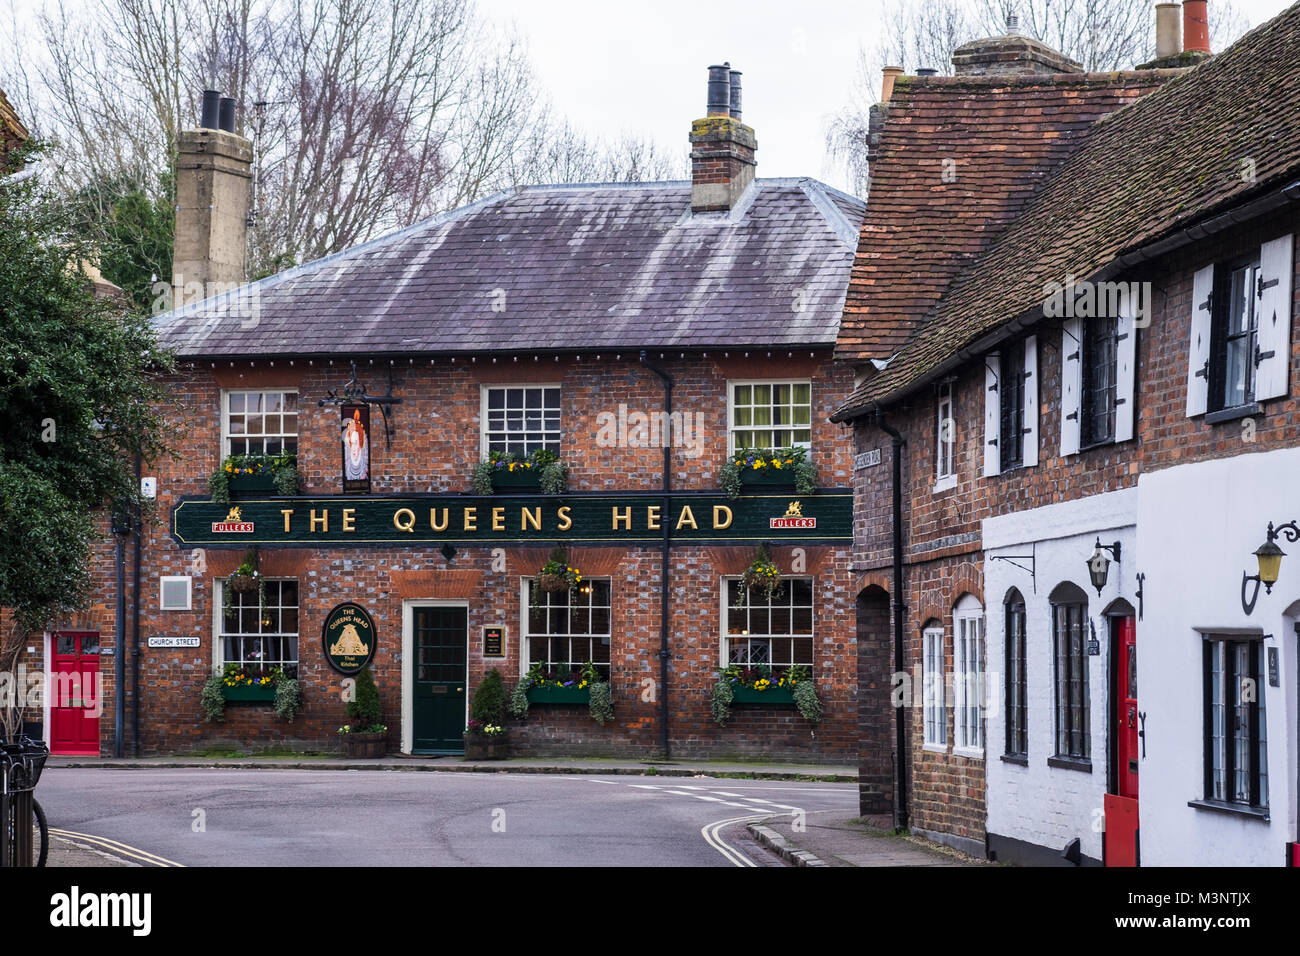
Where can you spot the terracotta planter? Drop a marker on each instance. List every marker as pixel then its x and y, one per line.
pixel 365 745
pixel 479 747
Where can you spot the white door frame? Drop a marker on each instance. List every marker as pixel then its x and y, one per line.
pixel 409 663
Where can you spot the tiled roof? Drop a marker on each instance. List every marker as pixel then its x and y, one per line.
pixel 1171 158
pixel 958 159
pixel 578 267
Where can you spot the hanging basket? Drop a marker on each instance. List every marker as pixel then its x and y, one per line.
pixel 553 583
pixel 243 582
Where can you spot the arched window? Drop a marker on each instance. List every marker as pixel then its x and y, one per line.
pixel 1017 683
pixel 968 676
pixel 1070 663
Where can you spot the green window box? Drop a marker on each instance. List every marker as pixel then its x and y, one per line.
pixel 767 477
pixel 249 694
pixel 520 478
pixel 776 696
pixel 559 695
pixel 252 484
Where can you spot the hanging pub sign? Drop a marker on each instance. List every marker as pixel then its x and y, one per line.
pixel 494 640
pixel 349 638
pixel 355 427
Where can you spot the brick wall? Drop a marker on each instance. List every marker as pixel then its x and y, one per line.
pixel 943 545
pixel 434 447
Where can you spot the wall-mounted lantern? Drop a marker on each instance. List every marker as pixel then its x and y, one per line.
pixel 1269 557
pixel 1099 564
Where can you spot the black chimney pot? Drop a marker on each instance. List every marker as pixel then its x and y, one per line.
pixel 735 94
pixel 719 90
pixel 211 108
pixel 227 114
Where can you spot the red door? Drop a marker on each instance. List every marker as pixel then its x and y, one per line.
pixel 75 693
pixel 1122 807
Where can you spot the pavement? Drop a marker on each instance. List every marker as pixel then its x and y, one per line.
pixel 836 839
pixel 742 769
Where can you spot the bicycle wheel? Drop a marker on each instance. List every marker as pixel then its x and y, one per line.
pixel 40 835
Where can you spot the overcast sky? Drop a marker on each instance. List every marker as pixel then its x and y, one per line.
pixel 642 66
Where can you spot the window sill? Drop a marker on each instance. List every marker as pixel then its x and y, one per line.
pixel 1070 763
pixel 1233 414
pixel 1021 760
pixel 935 748
pixel 1236 809
pixel 946 483
pixel 970 753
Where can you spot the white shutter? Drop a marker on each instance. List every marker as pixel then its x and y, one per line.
pixel 1071 383
pixel 1125 365
pixel 992 415
pixel 1198 349
pixel 1031 402
pixel 1273 309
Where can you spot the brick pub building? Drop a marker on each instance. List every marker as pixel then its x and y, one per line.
pixel 1094 388
pixel 568 318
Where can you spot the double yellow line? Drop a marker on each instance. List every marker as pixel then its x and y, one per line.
pixel 113 846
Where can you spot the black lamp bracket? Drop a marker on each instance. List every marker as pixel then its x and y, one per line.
pixel 1114 549
pixel 1289 530
pixel 354 393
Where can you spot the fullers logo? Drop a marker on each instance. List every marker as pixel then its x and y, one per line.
pixel 234 524
pixel 793 518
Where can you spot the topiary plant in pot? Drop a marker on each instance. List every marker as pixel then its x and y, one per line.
pixel 364 736
pixel 485 736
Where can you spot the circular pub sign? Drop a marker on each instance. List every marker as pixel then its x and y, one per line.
pixel 349 638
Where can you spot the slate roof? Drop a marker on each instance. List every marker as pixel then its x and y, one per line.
pixel 1169 159
pixel 582 267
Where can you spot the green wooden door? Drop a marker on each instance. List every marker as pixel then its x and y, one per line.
pixel 439 704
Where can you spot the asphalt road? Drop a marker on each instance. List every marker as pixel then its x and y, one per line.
pixel 219 817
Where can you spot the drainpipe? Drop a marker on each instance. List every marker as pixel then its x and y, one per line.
pixel 900 617
pixel 135 622
pixel 121 528
pixel 665 574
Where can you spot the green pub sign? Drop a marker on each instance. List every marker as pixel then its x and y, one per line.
pixel 349 638
pixel 467 520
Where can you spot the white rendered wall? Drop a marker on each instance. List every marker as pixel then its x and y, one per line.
pixel 1050 806
pixel 1198 527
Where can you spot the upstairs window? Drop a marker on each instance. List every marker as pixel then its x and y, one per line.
pixel 1011 407
pixel 1236 330
pixel 945 472
pixel 771 415
pixel 261 423
pixel 1239 352
pixel 1097 417
pixel 521 419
